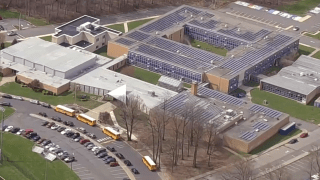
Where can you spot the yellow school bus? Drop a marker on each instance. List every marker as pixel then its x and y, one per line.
pixel 65 110
pixel 149 163
pixel 111 132
pixel 87 119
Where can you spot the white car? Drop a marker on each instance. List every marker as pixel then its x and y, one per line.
pixel 18 98
pixel 20 131
pixel 55 127
pixel 8 128
pixel 95 148
pixel 49 145
pixel 34 101
pixel 54 147
pixel 65 131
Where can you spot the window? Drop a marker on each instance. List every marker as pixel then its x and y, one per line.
pixel 104 36
pixel 97 47
pixel 97 39
pixel 102 44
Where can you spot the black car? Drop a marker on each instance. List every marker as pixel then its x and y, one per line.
pixel 46 142
pixel 102 155
pixel 108 161
pixel 98 151
pixel 4 127
pixel 15 130
pixel 31 135
pixel 61 129
pixel 111 149
pixel 43 114
pixel 5 104
pixel 125 179
pixel 106 158
pixel 36 138
pixel 1 27
pixel 135 171
pixel 91 135
pixel 56 118
pixel 292 141
pixel 7 96
pixel 45 105
pixel 87 144
pixel 44 123
pixel 127 162
pixel 69 134
pixel 75 135
pixel 119 155
pixel 70 123
pixel 57 151
pixel 64 156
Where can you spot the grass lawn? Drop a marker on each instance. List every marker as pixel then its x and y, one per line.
pixel 8 111
pixel 209 47
pixel 317 55
pixel 134 24
pixel 252 84
pixel 274 140
pixel 119 27
pixel 25 164
pixel 64 98
pixel 300 7
pixel 291 107
pixel 145 75
pixel 316 36
pixel 103 52
pixel 47 38
pixel 305 50
pixel 9 14
pixel 187 85
pixel 35 21
pixel 7 44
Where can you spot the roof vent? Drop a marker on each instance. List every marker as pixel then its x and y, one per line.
pixel 238 29
pixel 191 15
pixel 315 79
pixel 211 61
pixel 257 130
pixel 226 25
pixel 178 51
pixel 157 33
pixel 223 107
pixel 266 120
pixel 185 11
pixel 302 74
pixel 201 18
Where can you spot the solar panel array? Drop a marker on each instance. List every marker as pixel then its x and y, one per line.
pixel 207 15
pixel 208 25
pixel 137 35
pixel 184 50
pixel 125 41
pixel 248 36
pixel 261 126
pixel 248 136
pixel 269 112
pixel 254 57
pixel 220 96
pixel 171 57
pixel 170 20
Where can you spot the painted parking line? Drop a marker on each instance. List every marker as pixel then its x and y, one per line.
pixel 289 165
pixel 104 139
pixel 85 174
pixel 78 168
pixel 119 174
pixel 116 170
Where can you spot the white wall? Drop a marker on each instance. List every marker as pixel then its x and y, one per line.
pixel 49 70
pixel 7 56
pixel 59 74
pixel 29 63
pixel 76 70
pixel 39 67
pixel 19 60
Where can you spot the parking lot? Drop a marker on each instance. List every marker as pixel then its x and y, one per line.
pixel 87 165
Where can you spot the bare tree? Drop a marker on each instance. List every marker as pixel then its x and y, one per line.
pixel 211 135
pixel 198 133
pixel 130 110
pixel 176 127
pixel 241 170
pixel 14 41
pixel 277 174
pixel 185 118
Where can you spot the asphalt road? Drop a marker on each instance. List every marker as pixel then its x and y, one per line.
pixel 87 165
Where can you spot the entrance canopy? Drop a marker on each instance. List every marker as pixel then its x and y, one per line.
pixel 120 93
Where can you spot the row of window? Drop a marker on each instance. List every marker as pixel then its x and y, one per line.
pixel 283 92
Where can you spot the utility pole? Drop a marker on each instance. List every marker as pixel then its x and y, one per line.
pixel 3 110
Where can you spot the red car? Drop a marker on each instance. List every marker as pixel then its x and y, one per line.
pixel 114 164
pixel 303 135
pixel 84 141
pixel 0 18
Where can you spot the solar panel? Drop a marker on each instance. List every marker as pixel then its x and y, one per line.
pixel 269 112
pixel 220 96
pixel 248 36
pixel 261 126
pixel 184 50
pixel 208 25
pixel 248 136
pixel 139 36
pixel 125 41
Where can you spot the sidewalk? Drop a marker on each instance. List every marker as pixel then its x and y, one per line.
pixel 6 79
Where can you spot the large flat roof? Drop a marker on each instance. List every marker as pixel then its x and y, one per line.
pixel 49 54
pixel 303 76
pixel 110 80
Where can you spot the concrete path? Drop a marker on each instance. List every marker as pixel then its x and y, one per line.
pixel 315 51
pixel 10 78
pixel 125 26
pixel 107 107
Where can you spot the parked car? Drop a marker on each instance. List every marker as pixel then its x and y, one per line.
pixel 111 149
pixel 1 18
pixel 75 135
pixel 126 179
pixel 292 141
pixel 55 127
pixel 31 135
pixel 43 114
pixel 15 130
pixel 87 143
pixel 106 158
pixel 57 151
pixel 91 135
pixel 84 141
pixel 296 28
pixel 28 131
pixel 70 123
pixel 89 147
pixel 50 124
pixel 11 33
pixel 46 142
pixel 56 118
pixel 95 148
pixel 78 139
pixel 127 162
pixel 5 104
pixel 20 131
pixel 34 101
pixel 45 105
pixel 100 150
pixel 304 135
pixel 61 129
pixel 114 164
pixel 135 171
pixel 41 141
pixel 36 138
pixel 108 161
pixel 64 156
pixel 69 159
pixel 63 153
pixel 17 98
pixel 81 129
pixel 7 96
pixel 69 134
pixel 44 123
pixel 1 27
pixel 102 155
pixel 65 131
pixel 119 155
pixel 4 127
pixel 8 128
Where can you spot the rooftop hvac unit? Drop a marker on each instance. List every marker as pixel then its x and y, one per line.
pixel 115 75
pixel 157 33
pixel 315 79
pixel 201 18
pixel 238 29
pixel 266 120
pixel 301 74
pixel 257 130
pixel 226 25
pixel 185 11
pixel 191 15
pixel 223 107
pixel 244 119
pixel 211 61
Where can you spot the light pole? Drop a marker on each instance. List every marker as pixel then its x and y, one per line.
pixel 3 110
pixel 72 161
